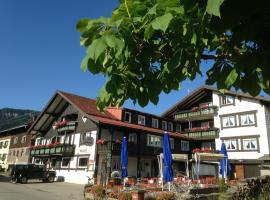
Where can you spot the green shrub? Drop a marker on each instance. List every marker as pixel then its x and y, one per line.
pixel 125 196
pixel 98 191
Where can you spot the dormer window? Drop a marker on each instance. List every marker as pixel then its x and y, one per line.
pixel 127 117
pixel 141 120
pixel 170 126
pixel 164 125
pixel 226 100
pixel 154 123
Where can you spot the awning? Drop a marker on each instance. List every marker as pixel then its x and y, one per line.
pixel 178 157
pixel 210 156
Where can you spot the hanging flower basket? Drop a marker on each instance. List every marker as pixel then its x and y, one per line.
pixel 59 124
pixel 101 141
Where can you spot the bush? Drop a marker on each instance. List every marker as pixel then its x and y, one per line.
pixel 98 192
pixel 166 196
pixel 222 185
pixel 125 196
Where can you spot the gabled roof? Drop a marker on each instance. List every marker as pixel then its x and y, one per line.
pixel 87 107
pixel 203 90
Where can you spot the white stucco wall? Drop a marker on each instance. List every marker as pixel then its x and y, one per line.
pixel 243 105
pixel 4 150
pixel 79 175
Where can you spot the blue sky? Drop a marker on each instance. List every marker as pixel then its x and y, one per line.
pixel 40 53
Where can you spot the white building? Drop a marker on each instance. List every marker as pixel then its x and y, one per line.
pixel 239 120
pixel 4 147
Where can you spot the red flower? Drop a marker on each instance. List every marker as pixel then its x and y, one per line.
pixel 100 141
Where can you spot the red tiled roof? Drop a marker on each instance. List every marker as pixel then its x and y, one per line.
pixel 86 105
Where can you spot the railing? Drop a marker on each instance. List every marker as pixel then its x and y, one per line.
pixel 207 133
pixel 116 147
pixel 69 127
pixel 196 112
pixel 60 149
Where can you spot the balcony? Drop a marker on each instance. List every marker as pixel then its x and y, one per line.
pixel 197 113
pixel 116 148
pixel 63 127
pixel 202 133
pixel 52 150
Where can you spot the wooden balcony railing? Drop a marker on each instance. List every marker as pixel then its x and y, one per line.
pixel 210 133
pixel 60 149
pixel 196 113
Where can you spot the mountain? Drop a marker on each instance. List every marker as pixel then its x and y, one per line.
pixel 10 117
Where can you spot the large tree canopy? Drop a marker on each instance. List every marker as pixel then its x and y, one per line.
pixel 150 46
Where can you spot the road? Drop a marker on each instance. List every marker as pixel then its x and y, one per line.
pixel 36 190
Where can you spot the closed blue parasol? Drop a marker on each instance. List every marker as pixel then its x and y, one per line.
pixel 167 171
pixel 124 158
pixel 225 166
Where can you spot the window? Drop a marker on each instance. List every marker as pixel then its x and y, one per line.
pixel 6 144
pixel 127 117
pixel 155 123
pixel 14 152
pixel 231 144
pixel 178 128
pixel 184 145
pixel 22 153
pixel 1 145
pixel 17 153
pixel 172 143
pixel 132 137
pixel 154 141
pixel 227 100
pixel 15 140
pixel 38 141
pixel 86 138
pixel 65 162
pixel 247 119
pixel 55 139
pixel 4 156
pixel 205 124
pixel 208 145
pixel 23 139
pixel 83 162
pixel 141 120
pixel 170 126
pixel 164 125
pixel 228 121
pixel 115 164
pixel 250 144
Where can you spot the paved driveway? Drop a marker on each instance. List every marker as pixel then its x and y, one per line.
pixel 36 190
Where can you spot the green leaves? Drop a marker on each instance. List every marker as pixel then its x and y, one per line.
pixel 160 43
pixel 213 7
pixel 162 22
pixel 231 78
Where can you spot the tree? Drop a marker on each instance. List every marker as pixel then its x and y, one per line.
pixel 150 46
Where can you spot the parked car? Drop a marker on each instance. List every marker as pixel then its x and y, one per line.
pixel 23 172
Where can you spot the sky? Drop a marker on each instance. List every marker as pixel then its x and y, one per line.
pixel 40 53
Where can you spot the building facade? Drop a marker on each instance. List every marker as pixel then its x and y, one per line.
pixel 4 147
pixel 238 120
pixel 20 142
pixel 77 140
